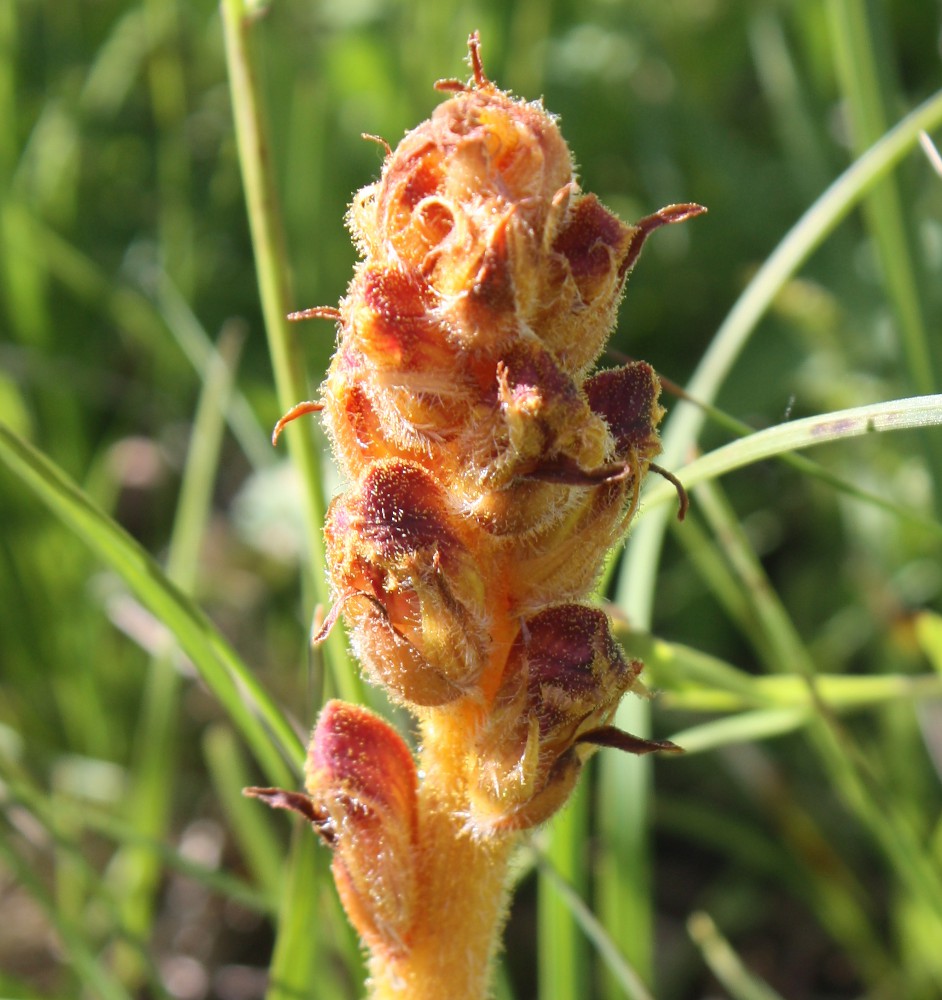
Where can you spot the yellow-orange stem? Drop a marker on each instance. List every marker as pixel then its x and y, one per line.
pixel 463 875
pixel 462 906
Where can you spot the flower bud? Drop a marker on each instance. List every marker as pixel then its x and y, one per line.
pixel 362 799
pixel 361 776
pixel 412 589
pixel 627 399
pixel 564 677
pixel 563 560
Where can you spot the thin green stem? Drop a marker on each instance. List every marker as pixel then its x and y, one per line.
pixel 273 270
pixel 895 415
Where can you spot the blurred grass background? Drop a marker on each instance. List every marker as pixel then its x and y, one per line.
pixel 791 852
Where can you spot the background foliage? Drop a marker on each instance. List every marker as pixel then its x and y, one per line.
pixel 797 847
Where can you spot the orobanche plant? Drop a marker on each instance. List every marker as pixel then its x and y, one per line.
pixel 488 475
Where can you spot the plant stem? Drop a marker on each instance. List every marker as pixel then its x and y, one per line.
pixel 271 261
pixel 464 892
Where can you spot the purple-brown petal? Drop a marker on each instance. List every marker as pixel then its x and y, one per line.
pixel 627 399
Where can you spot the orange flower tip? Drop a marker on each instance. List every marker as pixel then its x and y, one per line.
pixel 477 68
pixel 669 215
pixel 323 626
pixel 474 55
pixel 323 312
pixel 451 86
pixel 611 736
pixel 682 497
pixel 296 802
pixel 298 410
pixel 382 142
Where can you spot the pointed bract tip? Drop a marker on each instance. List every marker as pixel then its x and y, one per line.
pixel 298 410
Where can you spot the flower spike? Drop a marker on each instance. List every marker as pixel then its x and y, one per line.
pixel 488 472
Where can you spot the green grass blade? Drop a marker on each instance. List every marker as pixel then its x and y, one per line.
pixel 203 355
pixel 685 423
pixel 563 962
pixel 623 875
pixel 622 815
pixel 220 882
pixel 86 965
pixel 132 311
pixel 262 850
pixel 895 415
pixel 621 887
pixel 857 778
pixel 619 967
pixel 725 963
pixel 860 73
pixel 689 680
pixel 273 269
pixel 136 870
pixel 62 821
pixel 929 636
pixel 800 857
pixel 809 467
pixel 293 973
pixel 166 76
pixel 744 727
pixel 263 725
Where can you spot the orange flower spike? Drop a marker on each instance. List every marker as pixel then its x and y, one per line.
pixel 488 475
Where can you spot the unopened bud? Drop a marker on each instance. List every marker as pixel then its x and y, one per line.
pixel 361 775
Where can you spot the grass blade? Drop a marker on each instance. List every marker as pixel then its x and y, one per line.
pixel 262 724
pixel 897 414
pixel 725 963
pixel 272 266
pixel 563 965
pixel 628 980
pixel 685 423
